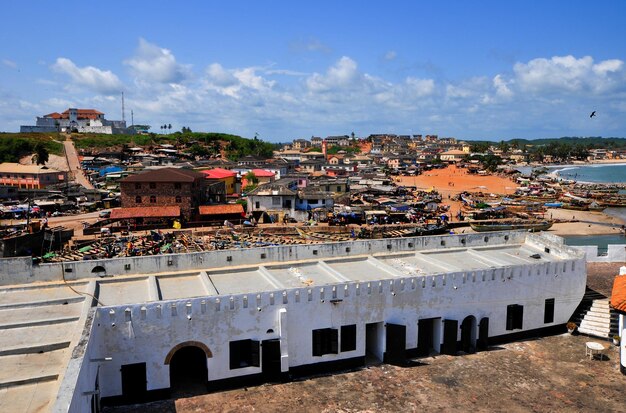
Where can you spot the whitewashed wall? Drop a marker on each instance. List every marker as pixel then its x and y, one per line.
pixel 147 332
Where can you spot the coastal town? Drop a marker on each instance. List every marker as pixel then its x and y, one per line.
pixel 188 195
pixel 313 207
pixel 147 232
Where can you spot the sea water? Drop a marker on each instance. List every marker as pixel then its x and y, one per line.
pixel 597 173
pixel 602 241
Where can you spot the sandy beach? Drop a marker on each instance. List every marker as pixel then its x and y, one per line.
pixel 453 180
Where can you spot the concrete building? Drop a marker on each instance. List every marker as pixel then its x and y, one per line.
pixel 30 176
pixel 157 323
pixel 78 120
pixel 452 155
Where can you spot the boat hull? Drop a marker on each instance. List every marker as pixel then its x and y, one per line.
pixel 507 226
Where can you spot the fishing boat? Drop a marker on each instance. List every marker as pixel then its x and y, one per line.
pixel 510 224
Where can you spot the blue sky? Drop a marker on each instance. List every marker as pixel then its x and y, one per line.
pixel 282 69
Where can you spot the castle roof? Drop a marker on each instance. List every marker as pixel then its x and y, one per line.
pixel 81 114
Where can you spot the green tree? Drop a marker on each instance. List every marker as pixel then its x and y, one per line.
pixel 479 147
pixel 251 178
pixel 41 155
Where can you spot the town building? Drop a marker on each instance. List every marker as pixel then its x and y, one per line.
pixel 160 323
pixel 78 120
pixel 300 144
pixel 452 155
pixel 225 175
pixel 30 176
pixel 163 187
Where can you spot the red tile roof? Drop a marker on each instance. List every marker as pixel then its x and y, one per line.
pixel 81 113
pixel 262 173
pixel 146 212
pixel 221 209
pixel 218 173
pixel 618 296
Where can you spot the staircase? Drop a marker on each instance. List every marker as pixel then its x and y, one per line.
pixel 594 317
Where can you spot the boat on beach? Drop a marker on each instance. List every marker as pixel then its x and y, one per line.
pixel 510 224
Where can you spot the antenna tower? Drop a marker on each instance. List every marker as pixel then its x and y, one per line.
pixel 123 116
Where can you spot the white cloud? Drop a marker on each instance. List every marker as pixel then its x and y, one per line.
pixel 420 87
pixel 501 86
pixel 9 63
pixel 220 76
pixel 310 45
pixel 282 104
pixel 390 55
pixel 343 74
pixel 236 82
pixel 102 81
pixel 153 63
pixel 568 74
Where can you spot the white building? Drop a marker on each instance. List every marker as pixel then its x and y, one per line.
pixel 78 120
pixel 224 316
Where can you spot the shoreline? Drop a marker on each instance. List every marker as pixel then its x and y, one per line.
pixel 452 180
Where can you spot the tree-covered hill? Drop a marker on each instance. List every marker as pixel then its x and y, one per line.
pixel 15 145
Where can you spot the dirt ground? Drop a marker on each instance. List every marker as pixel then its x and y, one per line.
pixel 542 375
pixel 546 374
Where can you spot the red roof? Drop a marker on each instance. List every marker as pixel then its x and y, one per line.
pixel 618 296
pixel 81 114
pixel 218 173
pixel 262 173
pixel 146 212
pixel 221 209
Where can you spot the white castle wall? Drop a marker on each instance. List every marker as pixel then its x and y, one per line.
pixel 21 270
pixel 615 253
pixel 147 332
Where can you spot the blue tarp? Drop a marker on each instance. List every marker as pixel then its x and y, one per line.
pixel 110 169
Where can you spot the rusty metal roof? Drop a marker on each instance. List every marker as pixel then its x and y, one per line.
pixel 221 209
pixel 146 212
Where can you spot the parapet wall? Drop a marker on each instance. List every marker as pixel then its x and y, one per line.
pixel 615 253
pixel 21 270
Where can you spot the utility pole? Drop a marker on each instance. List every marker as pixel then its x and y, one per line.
pixel 132 118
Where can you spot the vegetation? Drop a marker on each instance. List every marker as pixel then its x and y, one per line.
pixel 41 155
pixel 489 162
pixel 15 145
pixel 200 144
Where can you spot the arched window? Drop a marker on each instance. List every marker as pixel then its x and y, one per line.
pixel 152 199
pixel 138 199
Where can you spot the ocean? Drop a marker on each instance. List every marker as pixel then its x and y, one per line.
pixel 602 241
pixel 598 173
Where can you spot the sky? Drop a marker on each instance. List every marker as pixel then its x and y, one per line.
pixel 284 70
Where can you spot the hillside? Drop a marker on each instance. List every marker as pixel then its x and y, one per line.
pixel 13 146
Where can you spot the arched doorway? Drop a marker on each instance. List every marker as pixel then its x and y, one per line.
pixel 188 370
pixel 99 270
pixel 468 334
